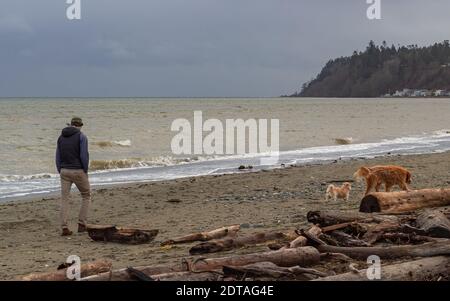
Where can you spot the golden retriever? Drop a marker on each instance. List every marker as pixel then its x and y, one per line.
pixel 342 192
pixel 389 175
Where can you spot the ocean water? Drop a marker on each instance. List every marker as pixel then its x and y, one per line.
pixel 130 139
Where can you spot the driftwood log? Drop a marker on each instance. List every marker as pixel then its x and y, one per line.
pixel 187 276
pixel 120 235
pixel 300 241
pixel 304 256
pixel 375 232
pixel 434 223
pixel 124 275
pixel 268 269
pixel 205 236
pixel 407 237
pixel 345 240
pixel 174 276
pixel 404 201
pixel 239 242
pixel 87 269
pixel 418 270
pixel 424 250
pixel 332 220
pixel 336 227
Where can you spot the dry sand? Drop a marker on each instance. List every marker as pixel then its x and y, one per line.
pixel 276 199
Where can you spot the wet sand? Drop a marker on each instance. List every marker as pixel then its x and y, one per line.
pixel 277 199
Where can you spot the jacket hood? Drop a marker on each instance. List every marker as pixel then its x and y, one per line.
pixel 69 131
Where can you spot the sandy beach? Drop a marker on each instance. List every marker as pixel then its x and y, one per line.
pixel 276 199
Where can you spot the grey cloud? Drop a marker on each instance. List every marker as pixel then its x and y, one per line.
pixel 114 50
pixel 11 24
pixel 195 47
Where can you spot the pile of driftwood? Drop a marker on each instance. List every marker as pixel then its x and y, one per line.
pixel 412 241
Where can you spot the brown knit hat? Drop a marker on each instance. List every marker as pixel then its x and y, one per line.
pixel 76 121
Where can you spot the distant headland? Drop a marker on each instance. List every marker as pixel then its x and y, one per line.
pixel 383 71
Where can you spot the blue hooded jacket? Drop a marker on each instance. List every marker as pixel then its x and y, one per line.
pixel 72 150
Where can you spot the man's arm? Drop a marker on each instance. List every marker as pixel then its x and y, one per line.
pixel 58 158
pixel 84 152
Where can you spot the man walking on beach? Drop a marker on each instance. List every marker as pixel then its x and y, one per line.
pixel 72 162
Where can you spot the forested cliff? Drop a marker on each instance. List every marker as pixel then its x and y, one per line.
pixel 381 69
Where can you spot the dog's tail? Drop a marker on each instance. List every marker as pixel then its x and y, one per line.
pixel 361 173
pixel 408 177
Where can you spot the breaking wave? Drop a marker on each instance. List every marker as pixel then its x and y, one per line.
pixel 104 144
pixel 98 165
pixel 14 178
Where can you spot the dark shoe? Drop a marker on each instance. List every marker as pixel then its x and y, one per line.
pixel 82 228
pixel 66 232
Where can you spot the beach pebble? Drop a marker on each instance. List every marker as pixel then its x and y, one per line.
pixel 174 201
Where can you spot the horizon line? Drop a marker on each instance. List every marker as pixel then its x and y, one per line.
pixel 2 97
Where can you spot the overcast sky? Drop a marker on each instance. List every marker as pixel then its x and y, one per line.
pixel 194 47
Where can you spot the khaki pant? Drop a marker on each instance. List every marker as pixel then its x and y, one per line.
pixel 81 180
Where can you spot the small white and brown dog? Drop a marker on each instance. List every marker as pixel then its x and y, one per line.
pixel 342 192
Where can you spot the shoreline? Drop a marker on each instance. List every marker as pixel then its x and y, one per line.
pixel 44 196
pixel 257 200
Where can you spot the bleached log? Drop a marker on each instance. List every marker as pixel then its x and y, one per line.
pixel 424 250
pixel 303 256
pixel 336 227
pixel 204 236
pixel 300 241
pixel 418 270
pixel 87 269
pixel 268 269
pixel 187 276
